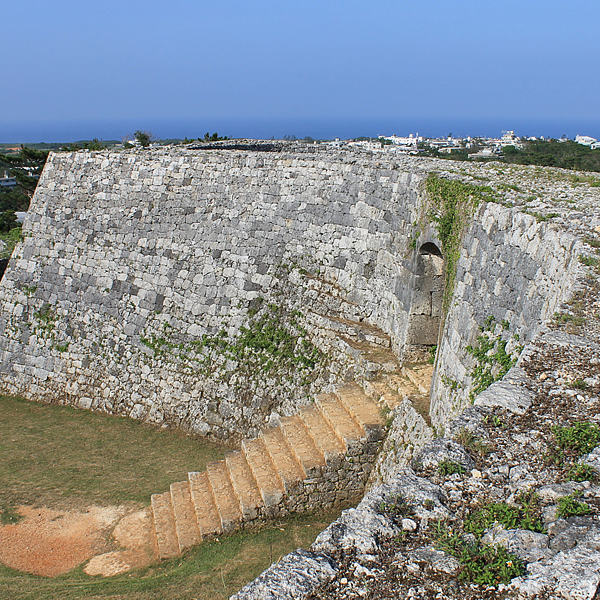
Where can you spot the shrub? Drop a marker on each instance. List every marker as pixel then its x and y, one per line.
pixel 472 443
pixel 526 515
pixel 481 563
pixel 578 439
pixel 569 506
pixel 450 467
pixel 579 472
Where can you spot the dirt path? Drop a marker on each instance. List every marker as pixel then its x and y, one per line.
pixel 52 542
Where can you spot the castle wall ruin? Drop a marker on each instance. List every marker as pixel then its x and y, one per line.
pixel 139 270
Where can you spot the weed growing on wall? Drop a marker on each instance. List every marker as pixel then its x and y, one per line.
pixel 495 352
pixel 524 514
pixel 451 204
pixel 273 344
pixel 45 321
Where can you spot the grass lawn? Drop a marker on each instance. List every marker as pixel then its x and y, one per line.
pixel 211 571
pixel 62 457
pixel 59 456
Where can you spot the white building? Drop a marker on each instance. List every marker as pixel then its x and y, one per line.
pixel 586 140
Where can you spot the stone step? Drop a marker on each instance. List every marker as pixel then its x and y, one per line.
pixel 303 447
pixel 245 485
pixel 164 525
pixel 188 533
pixel 289 469
pixel 207 514
pixel 363 411
pixel 225 498
pixel 420 376
pixel 322 434
pixel 383 393
pixel 340 420
pixel 269 482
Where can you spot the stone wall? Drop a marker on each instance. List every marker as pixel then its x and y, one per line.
pixel 146 278
pixel 512 268
pixel 140 269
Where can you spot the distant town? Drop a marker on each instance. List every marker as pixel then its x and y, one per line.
pixel 475 147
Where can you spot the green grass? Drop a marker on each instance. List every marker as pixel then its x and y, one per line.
pixel 211 571
pixel 58 456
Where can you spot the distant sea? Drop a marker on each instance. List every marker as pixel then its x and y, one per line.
pixel 318 128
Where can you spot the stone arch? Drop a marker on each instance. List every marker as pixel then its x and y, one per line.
pixel 426 302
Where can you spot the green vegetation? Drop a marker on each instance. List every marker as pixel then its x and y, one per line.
pixel 215 137
pixel 432 350
pixel 450 467
pixel 580 472
pixel 569 506
pixel 568 319
pixel 589 261
pixel 494 421
pixel 525 515
pixel 55 455
pixel 273 344
pixel 565 154
pixel 553 153
pixel 480 563
pixel 212 571
pixel 492 359
pixel 578 439
pixel 144 138
pixel 472 443
pixel 540 217
pixel 396 508
pixel 94 144
pixel 26 166
pixel 8 221
pixel 11 239
pixel 451 205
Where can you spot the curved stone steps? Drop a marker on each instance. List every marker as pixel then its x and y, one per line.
pixel 164 525
pixel 366 414
pixel 266 475
pixel 225 498
pixel 244 485
pixel 341 421
pixel 306 452
pixel 257 481
pixel 321 433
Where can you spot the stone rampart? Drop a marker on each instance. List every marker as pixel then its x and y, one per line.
pixel 146 281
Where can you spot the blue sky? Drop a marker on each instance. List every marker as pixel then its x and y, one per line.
pixel 85 69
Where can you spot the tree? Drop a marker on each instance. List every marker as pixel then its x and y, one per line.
pixel 8 220
pixel 26 167
pixel 212 138
pixel 144 138
pixel 94 144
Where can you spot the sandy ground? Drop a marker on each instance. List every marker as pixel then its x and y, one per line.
pixel 51 542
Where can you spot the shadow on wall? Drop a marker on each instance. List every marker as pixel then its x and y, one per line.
pixel 3 265
pixel 427 303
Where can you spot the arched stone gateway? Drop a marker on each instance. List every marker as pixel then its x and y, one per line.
pixel 427 302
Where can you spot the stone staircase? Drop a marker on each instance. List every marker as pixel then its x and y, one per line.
pixel 269 475
pixel 321 456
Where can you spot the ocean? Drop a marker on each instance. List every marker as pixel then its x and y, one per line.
pixel 277 128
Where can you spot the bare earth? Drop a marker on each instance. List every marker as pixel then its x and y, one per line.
pixel 51 542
